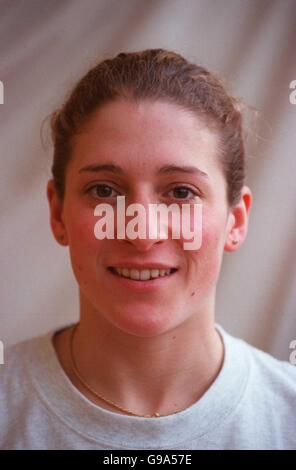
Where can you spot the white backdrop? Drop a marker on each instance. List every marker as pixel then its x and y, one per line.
pixel 45 45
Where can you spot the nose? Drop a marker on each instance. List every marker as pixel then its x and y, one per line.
pixel 141 228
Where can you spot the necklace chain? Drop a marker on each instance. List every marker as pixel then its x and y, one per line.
pixel 94 392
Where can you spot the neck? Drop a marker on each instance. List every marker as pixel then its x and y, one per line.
pixel 146 374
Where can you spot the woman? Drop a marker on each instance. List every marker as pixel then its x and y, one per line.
pixel 146 366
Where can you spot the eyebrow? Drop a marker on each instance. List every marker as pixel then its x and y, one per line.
pixel 167 169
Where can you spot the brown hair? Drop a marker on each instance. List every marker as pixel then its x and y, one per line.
pixel 153 74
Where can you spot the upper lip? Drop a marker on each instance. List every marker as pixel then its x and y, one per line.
pixel 132 264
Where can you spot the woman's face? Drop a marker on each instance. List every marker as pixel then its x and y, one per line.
pixel 141 139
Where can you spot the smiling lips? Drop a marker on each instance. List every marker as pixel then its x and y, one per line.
pixel 141 274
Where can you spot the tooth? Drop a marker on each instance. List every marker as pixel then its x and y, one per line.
pixel 154 272
pixel 144 274
pixel 135 274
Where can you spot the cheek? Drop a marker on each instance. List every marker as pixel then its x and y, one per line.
pixel 80 224
pixel 213 229
pixel 210 237
pixel 81 234
pixel 207 260
pixel 83 245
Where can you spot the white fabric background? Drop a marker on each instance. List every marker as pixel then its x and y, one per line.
pixel 45 46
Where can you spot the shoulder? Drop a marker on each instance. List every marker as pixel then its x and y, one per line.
pixel 13 369
pixel 277 374
pixel 262 392
pixel 269 379
pixel 16 376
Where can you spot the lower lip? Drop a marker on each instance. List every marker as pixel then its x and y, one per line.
pixel 142 286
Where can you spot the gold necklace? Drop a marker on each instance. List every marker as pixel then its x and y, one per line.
pixel 94 392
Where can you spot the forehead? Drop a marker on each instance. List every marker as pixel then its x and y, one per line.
pixel 143 133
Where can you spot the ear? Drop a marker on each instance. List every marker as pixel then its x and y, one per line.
pixel 238 219
pixel 56 214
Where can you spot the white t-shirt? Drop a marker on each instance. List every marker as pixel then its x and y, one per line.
pixel 250 405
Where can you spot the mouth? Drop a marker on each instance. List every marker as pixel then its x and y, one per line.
pixel 141 275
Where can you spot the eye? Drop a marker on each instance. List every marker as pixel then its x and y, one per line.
pixel 181 192
pixel 101 191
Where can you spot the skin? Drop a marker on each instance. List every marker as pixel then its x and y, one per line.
pixel 159 350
